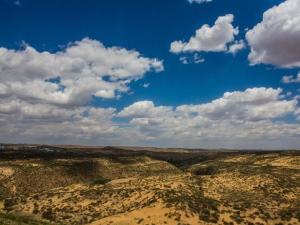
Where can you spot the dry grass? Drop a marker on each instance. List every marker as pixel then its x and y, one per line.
pixel 229 189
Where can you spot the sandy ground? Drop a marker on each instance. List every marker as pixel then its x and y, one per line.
pixel 157 215
pixel 254 189
pixel 6 171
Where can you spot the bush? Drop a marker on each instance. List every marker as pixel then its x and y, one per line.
pixel 209 170
pixel 9 203
pixel 100 180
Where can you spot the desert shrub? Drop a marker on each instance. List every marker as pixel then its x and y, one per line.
pixel 237 218
pixel 100 180
pixel 209 170
pixel 140 221
pixel 35 210
pixel 250 223
pixel 48 214
pixel 9 218
pixel 9 203
pixel 286 215
pixel 228 223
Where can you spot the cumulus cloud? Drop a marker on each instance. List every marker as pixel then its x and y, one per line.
pixel 291 79
pixel 46 97
pixel 275 40
pixel 144 108
pixel 209 38
pixel 84 69
pixel 237 119
pixel 250 105
pixel 199 1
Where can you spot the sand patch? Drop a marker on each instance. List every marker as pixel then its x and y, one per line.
pixel 6 171
pixel 157 214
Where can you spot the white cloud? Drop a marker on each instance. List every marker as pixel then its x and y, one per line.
pixel 236 47
pixel 184 60
pixel 209 39
pixel 45 97
pixel 242 119
pixel 291 79
pixel 238 118
pixel 250 105
pixel 275 40
pixel 198 59
pixel 144 108
pixel 199 1
pixel 23 121
pixel 85 68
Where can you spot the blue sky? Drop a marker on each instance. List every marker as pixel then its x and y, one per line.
pixel 149 27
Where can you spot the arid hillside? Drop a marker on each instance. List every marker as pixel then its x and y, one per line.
pixel 79 185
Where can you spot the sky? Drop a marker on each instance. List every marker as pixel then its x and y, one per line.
pixel 172 73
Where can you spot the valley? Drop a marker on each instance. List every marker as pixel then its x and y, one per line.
pixel 122 185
